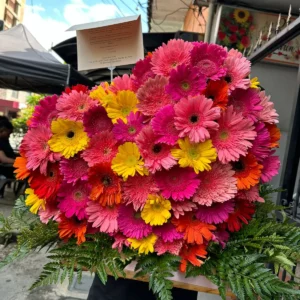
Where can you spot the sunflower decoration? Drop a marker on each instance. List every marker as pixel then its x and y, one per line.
pixel 241 15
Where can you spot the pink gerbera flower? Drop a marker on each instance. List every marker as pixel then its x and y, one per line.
pixel 102 149
pixel 38 153
pixel 170 55
pixel 73 199
pixel 247 102
pixel 216 213
pixel 251 195
pixel 96 120
pixel 209 59
pixel 136 190
pixel 44 112
pixel 123 83
pixel 233 137
pixel 180 208
pixel 195 116
pixel 161 247
pixel 131 224
pixel 261 143
pixel 74 169
pixel 238 69
pixel 156 155
pixel 217 185
pixel 268 113
pixel 127 132
pixel 271 167
pixel 167 232
pixel 163 126
pixel 185 81
pixel 73 106
pixel 51 212
pixel 120 241
pixel 102 217
pixel 177 183
pixel 152 96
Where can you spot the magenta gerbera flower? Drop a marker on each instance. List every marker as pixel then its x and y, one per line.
pixel 102 149
pixel 216 213
pixel 44 112
pixel 167 232
pixel 195 117
pixel 163 126
pixel 72 106
pixel 180 208
pixel 152 96
pixel 185 81
pixel 221 237
pixel 170 55
pixel 156 155
pixel 271 167
pixel 102 217
pixel 120 241
pixel 51 212
pixel 209 60
pixel 247 102
pixel 38 153
pixel 251 195
pixel 268 113
pixel 96 120
pixel 161 247
pixel 73 199
pixel 119 83
pixel 136 190
pixel 131 224
pixel 177 183
pixel 233 137
pixel 127 132
pixel 217 185
pixel 238 69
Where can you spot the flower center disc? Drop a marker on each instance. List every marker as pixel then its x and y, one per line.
pixel 241 15
pixel 70 134
pixel 223 135
pixel 131 130
pixel 106 181
pixel 238 166
pixel 131 161
pixel 185 86
pixel 194 119
pixel 156 148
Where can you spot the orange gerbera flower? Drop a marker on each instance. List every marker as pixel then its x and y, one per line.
pixel 105 184
pixel 191 254
pixel 274 134
pixel 195 231
pixel 72 227
pixel 247 172
pixel 21 171
pixel 218 92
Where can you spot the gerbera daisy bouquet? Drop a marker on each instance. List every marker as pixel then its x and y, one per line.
pixel 162 168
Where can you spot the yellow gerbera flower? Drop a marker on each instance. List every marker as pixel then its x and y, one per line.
pixel 103 95
pixel 156 210
pixel 241 15
pixel 196 155
pixel 128 161
pixel 144 245
pixel 68 137
pixel 125 103
pixel 34 201
pixel 254 83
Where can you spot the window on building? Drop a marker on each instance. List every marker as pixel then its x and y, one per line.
pixel 15 94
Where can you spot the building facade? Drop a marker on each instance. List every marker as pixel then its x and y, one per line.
pixel 12 12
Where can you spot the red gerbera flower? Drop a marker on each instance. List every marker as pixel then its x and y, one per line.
pixel 218 92
pixel 191 254
pixel 78 87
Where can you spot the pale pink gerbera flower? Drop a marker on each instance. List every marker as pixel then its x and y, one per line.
pixel 251 195
pixel 268 114
pixel 102 149
pixel 161 247
pixel 167 232
pixel 73 199
pixel 238 69
pixel 217 185
pixel 120 241
pixel 136 190
pixel 185 81
pixel 156 155
pixel 271 167
pixel 167 57
pixel 102 217
pixel 74 169
pixel 177 183
pixel 152 96
pixel 73 106
pixel 44 112
pixel 209 59
pixel 247 102
pixel 163 125
pixel 96 120
pixel 38 153
pixel 233 137
pixel 180 208
pixel 131 224
pixel 215 214
pixel 123 83
pixel 195 116
pixel 127 132
pixel 51 212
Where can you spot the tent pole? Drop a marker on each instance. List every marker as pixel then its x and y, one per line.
pixel 69 75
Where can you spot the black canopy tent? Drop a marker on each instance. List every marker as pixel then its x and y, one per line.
pixel 25 65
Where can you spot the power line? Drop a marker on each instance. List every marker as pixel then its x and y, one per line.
pixel 169 14
pixel 132 10
pixel 115 4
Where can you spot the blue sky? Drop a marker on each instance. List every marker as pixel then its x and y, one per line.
pixel 48 19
